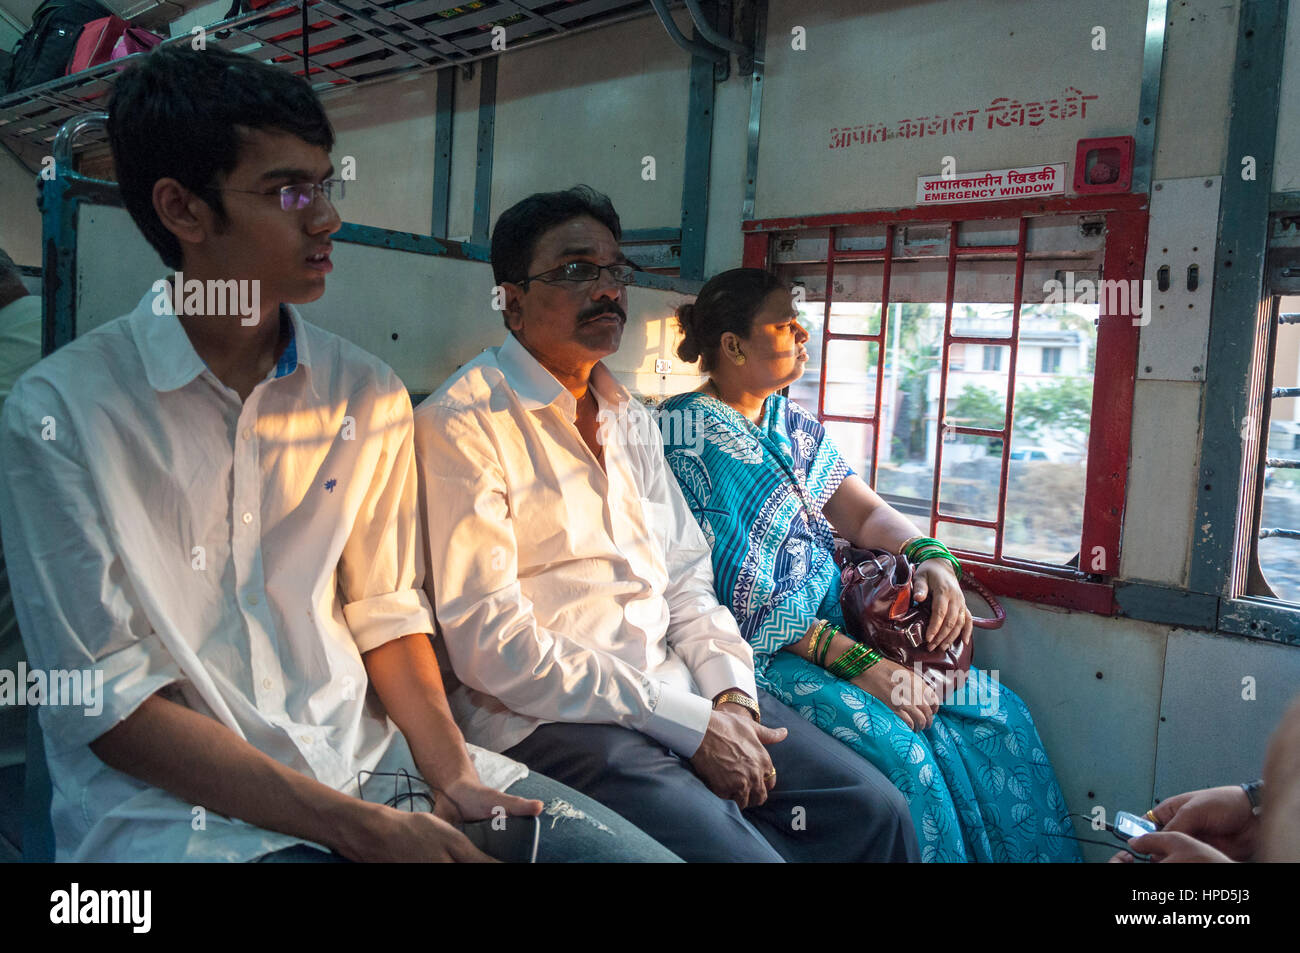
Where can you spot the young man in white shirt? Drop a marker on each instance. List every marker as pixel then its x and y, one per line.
pixel 574 588
pixel 213 518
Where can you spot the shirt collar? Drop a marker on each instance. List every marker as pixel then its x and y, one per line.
pixel 170 360
pixel 537 387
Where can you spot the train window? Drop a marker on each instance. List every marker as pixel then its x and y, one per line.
pixel 932 343
pixel 1275 563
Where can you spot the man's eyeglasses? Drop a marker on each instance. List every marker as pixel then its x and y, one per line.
pixel 580 271
pixel 294 198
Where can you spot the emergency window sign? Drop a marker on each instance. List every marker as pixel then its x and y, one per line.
pixel 1024 182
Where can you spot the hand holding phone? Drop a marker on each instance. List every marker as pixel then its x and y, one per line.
pixel 1129 826
pixel 511 839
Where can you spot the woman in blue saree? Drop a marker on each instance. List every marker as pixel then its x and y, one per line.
pixel 769 489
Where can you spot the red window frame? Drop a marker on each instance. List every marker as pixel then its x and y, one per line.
pixel 1109 437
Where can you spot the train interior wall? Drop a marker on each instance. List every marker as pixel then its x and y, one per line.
pixel 1128 710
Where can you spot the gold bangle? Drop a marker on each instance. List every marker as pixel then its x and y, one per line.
pixel 908 542
pixel 816 637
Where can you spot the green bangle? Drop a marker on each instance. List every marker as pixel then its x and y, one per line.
pixel 869 658
pixel 841 661
pixel 832 630
pixel 929 548
pixel 956 566
pixel 853 661
pixel 919 542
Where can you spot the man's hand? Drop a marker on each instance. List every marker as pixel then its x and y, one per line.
pixel 1221 817
pixel 393 836
pixel 731 759
pixel 950 620
pixel 469 799
pixel 1172 847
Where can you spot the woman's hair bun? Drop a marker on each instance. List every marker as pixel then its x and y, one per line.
pixel 689 349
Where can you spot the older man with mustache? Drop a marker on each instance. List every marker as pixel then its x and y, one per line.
pixel 574 588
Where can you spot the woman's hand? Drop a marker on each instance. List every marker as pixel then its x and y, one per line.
pixel 903 690
pixel 469 799
pixel 950 620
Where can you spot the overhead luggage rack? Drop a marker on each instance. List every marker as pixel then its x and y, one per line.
pixel 351 42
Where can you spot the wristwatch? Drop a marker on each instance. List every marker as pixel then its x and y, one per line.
pixel 1255 792
pixel 741 699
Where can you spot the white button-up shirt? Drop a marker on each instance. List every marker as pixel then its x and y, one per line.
pixel 566 593
pixel 236 556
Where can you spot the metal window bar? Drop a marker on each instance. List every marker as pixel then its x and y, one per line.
pixel 1109 434
pixel 955 251
pixel 880 337
pixel 1013 342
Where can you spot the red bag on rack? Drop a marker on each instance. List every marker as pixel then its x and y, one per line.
pixel 135 40
pixel 95 44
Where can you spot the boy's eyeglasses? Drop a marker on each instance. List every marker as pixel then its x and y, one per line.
pixel 580 271
pixel 296 197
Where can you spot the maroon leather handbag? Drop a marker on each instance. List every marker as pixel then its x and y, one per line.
pixel 879 611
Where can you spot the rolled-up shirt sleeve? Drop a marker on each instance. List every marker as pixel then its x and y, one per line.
pixel 83 625
pixel 491 633
pixel 381 568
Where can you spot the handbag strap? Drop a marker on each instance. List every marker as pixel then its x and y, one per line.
pixel 999 614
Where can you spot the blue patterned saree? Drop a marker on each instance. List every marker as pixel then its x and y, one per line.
pixel 978 781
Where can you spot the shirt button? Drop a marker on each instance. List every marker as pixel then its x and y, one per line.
pixel 248 433
pixel 266 683
pixel 306 739
pixel 252 600
pixel 248 517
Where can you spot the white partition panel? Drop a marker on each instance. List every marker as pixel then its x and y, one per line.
pixel 1163 472
pixel 423 315
pixel 387 129
pixel 590 108
pixel 1195 88
pixel 1221 702
pixel 115 265
pixel 993 85
pixel 20 220
pixel 1092 685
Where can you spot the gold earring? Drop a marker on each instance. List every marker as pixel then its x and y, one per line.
pixel 740 357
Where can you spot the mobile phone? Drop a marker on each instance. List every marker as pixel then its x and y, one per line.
pixel 1129 825
pixel 512 840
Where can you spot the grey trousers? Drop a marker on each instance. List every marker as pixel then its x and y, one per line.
pixel 828 804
